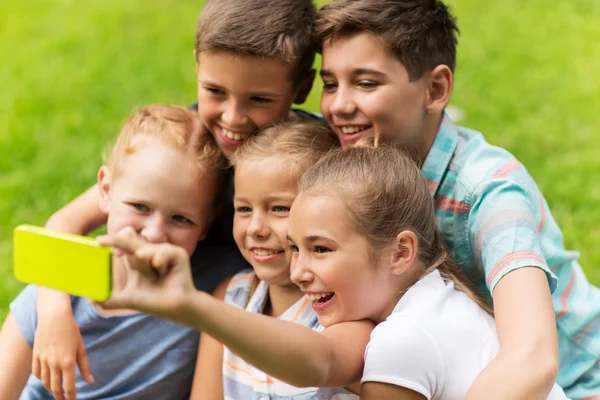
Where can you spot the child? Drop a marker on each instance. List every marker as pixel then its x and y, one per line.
pixel 253 60
pixel 365 247
pixel 388 68
pixel 268 168
pixel 162 179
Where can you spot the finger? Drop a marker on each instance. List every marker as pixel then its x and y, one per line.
pixel 127 239
pixel 35 367
pixel 167 256
pixel 142 266
pixel 84 364
pixel 45 376
pixel 56 384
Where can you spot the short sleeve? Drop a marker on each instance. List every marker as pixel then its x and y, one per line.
pixel 24 311
pixel 401 353
pixel 503 230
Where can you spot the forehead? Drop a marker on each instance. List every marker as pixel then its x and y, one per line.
pixel 265 177
pixel 319 215
pixel 244 74
pixel 160 173
pixel 347 53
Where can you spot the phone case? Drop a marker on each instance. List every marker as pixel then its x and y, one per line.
pixel 73 264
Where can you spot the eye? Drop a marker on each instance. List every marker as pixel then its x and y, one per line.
pixel 139 207
pixel 322 249
pixel 294 248
pixel 214 91
pixel 182 220
pixel 329 86
pixel 242 210
pixel 368 84
pixel 281 209
pixel 263 100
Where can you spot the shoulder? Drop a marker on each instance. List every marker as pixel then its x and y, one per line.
pixel 477 162
pixel 403 353
pixel 238 289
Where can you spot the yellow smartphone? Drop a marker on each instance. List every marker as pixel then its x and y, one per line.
pixel 73 264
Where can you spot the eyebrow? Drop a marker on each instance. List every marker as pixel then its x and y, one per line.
pixel 274 197
pixel 252 94
pixel 356 71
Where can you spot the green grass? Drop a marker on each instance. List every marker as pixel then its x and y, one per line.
pixel 72 71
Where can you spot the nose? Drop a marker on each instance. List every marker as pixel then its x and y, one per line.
pixel 342 103
pixel 300 272
pixel 155 230
pixel 257 227
pixel 234 114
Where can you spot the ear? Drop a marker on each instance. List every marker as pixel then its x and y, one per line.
pixel 404 252
pixel 304 87
pixel 104 180
pixel 439 89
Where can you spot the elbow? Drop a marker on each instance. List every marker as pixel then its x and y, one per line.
pixel 543 367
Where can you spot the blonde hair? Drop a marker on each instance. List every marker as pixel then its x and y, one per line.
pixel 280 30
pixel 385 194
pixel 300 143
pixel 174 126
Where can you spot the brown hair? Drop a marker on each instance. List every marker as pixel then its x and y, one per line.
pixel 280 30
pixel 174 126
pixel 386 194
pixel 301 143
pixel 421 34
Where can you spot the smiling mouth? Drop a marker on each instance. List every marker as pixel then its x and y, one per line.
pixel 321 297
pixel 233 135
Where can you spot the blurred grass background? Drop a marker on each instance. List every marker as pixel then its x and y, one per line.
pixel 71 72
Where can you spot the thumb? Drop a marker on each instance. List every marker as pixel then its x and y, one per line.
pixel 84 363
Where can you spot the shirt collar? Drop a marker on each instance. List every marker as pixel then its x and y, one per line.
pixel 441 152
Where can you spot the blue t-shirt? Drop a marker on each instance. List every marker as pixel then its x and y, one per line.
pixel 132 357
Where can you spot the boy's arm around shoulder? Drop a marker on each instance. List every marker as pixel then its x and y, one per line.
pixel 15 358
pixel 503 230
pixel 208 376
pixel 58 345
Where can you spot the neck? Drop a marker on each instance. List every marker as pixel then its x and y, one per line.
pixel 281 298
pixel 397 286
pixel 431 126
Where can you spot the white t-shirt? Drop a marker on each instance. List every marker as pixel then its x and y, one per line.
pixel 435 342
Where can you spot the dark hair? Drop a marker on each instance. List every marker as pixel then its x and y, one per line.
pixel 421 34
pixel 280 29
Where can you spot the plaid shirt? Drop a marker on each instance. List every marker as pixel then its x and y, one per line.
pixel 494 220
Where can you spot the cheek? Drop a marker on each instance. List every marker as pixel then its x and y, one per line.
pixel 263 117
pixel 240 227
pixel 324 106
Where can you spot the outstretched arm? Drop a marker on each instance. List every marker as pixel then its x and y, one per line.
pixel 159 282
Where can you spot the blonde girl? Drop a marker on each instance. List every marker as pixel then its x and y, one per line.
pixel 267 171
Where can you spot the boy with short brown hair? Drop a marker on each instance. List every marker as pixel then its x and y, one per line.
pixel 387 70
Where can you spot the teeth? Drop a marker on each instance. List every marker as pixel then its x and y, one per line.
pixel 318 296
pixel 264 252
pixel 348 130
pixel 234 135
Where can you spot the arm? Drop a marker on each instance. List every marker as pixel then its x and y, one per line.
pixel 208 378
pixel 503 227
pixel 384 391
pixel 332 358
pixel 15 358
pixel 526 326
pixel 58 346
